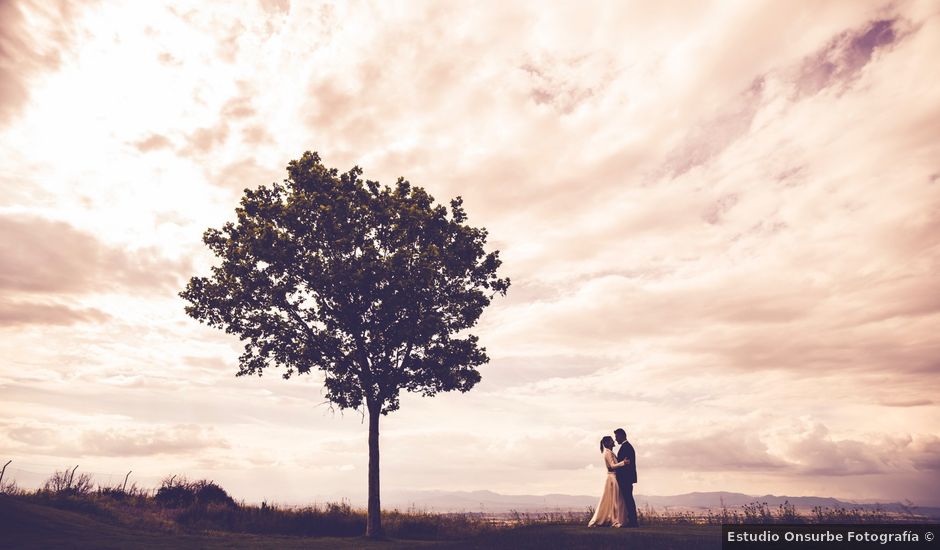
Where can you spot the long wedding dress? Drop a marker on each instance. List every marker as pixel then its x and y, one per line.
pixel 610 510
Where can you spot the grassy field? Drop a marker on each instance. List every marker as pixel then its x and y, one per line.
pixel 70 512
pixel 30 525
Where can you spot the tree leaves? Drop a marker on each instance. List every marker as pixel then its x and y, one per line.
pixel 367 283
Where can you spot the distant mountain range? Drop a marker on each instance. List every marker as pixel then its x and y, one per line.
pixel 495 503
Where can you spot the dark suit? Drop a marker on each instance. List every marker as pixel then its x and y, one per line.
pixel 626 477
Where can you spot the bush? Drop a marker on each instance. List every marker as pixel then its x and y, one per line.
pixel 64 483
pixel 177 492
pixel 209 492
pixel 115 493
pixel 757 512
pixel 9 488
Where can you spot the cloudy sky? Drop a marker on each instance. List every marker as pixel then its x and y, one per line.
pixel 720 219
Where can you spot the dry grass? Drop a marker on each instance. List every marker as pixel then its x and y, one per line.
pixel 180 506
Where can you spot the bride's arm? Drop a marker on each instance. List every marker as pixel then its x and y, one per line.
pixel 612 462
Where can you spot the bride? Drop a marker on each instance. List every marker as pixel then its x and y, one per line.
pixel 610 510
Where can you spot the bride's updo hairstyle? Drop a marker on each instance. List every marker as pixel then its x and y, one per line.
pixel 607 442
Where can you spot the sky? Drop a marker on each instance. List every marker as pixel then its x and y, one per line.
pixel 720 220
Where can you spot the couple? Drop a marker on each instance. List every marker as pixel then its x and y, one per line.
pixel 617 507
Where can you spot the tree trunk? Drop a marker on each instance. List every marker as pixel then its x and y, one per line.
pixel 374 521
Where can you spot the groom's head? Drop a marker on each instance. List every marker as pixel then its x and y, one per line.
pixel 620 435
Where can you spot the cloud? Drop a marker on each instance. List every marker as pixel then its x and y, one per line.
pixel 236 112
pixel 926 454
pixel 239 107
pixel 330 105
pixel 817 453
pixel 243 174
pixel 204 140
pixel 713 136
pixel 840 61
pixel 152 143
pixel 811 452
pixel 907 403
pixel 170 439
pixel 166 440
pixel 837 64
pixel 167 58
pixel 276 6
pixel 53 257
pixel 31 434
pixel 228 46
pixel 565 84
pixel 256 135
pixel 35 37
pixel 718 451
pixel 26 313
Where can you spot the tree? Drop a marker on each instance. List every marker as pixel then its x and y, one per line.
pixel 376 287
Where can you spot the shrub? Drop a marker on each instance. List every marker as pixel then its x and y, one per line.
pixel 175 492
pixel 844 515
pixel 209 492
pixel 115 493
pixel 786 513
pixel 9 488
pixel 64 483
pixel 757 512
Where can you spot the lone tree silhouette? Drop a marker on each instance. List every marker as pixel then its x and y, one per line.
pixel 374 286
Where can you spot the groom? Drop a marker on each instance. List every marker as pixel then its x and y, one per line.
pixel 626 476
